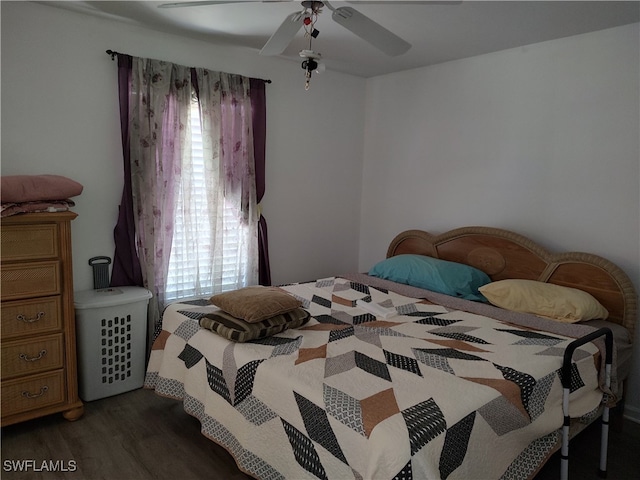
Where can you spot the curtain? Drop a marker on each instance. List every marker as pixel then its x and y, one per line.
pixel 156 140
pixel 159 105
pixel 227 143
pixel 259 111
pixel 126 265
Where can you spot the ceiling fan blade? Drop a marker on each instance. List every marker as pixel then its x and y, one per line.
pixel 370 31
pixel 406 2
pixel 283 36
pixel 200 3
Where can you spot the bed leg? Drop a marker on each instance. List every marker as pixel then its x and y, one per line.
pixel 564 450
pixel 604 436
pixel 604 443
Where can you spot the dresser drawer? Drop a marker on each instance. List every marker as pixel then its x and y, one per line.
pixel 33 242
pixel 33 392
pixel 25 280
pixel 32 355
pixel 31 317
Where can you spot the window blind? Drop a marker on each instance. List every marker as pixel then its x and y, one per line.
pixel 188 269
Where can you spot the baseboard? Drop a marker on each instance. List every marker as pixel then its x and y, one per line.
pixel 632 413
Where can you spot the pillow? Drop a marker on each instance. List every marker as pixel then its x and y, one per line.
pixel 32 188
pixel 237 330
pixel 254 304
pixel 442 276
pixel 560 303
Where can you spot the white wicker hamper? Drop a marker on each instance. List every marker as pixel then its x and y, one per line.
pixel 111 333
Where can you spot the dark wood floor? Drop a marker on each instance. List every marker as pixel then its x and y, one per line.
pixel 139 435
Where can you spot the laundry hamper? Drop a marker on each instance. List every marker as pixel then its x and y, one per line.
pixel 111 335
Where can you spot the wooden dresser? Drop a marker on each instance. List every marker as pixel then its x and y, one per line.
pixel 39 371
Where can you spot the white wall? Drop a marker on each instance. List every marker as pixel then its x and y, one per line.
pixel 60 115
pixel 542 140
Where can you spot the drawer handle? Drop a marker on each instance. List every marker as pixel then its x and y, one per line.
pixel 22 318
pixel 43 390
pixel 23 356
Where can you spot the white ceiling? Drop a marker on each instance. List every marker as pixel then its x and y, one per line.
pixel 438 31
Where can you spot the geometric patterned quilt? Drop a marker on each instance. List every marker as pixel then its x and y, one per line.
pixel 430 392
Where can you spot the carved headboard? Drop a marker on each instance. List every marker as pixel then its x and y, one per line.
pixel 502 254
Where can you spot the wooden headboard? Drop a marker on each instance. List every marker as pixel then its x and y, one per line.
pixel 502 254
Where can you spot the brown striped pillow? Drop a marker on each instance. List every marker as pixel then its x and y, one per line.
pixel 237 330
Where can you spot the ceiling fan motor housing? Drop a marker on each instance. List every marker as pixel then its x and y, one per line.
pixel 314 6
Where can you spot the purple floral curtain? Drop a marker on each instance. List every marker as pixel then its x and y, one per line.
pixel 227 144
pixel 159 104
pixel 155 98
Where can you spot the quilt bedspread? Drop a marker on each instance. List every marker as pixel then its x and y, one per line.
pixel 430 392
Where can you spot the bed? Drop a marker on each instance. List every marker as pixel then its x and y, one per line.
pixel 384 379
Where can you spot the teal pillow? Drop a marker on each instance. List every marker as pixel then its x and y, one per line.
pixel 451 278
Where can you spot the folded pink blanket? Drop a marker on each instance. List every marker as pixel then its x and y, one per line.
pixel 33 188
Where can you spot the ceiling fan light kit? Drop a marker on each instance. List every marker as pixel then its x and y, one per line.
pixel 351 19
pixel 311 64
pixel 309 17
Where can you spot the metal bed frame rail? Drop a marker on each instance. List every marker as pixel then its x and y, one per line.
pixel 566 386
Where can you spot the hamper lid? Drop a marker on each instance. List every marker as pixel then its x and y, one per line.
pixel 107 297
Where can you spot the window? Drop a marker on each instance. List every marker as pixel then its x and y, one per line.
pixel 194 268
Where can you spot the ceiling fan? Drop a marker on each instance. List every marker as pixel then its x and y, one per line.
pixel 354 21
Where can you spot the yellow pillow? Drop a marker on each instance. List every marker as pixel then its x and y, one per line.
pixel 564 304
pixel 257 303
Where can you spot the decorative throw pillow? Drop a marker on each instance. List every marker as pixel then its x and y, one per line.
pixel 254 304
pixel 32 188
pixel 565 304
pixel 442 276
pixel 237 330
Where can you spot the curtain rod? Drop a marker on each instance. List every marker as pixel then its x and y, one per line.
pixel 113 54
